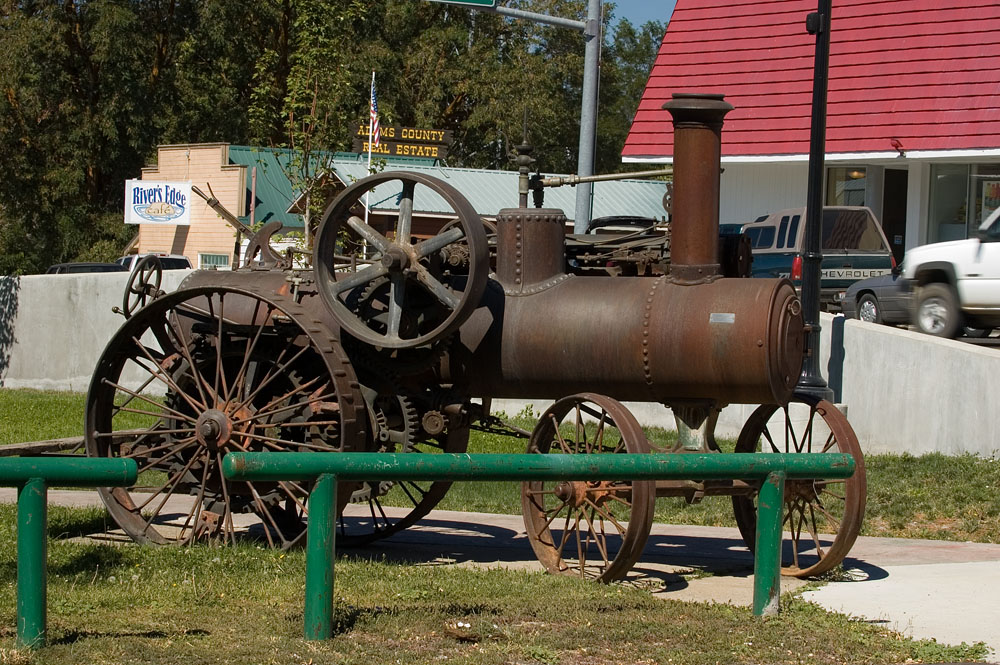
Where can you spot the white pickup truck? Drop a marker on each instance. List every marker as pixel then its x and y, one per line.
pixel 956 283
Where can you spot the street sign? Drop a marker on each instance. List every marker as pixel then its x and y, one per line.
pixel 471 3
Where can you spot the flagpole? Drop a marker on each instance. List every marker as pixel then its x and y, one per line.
pixel 371 122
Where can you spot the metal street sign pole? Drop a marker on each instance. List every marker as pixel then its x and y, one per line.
pixel 588 115
pixel 811 382
pixel 591 29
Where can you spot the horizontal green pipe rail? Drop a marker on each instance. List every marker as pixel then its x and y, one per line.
pixel 329 468
pixel 32 477
pixel 485 467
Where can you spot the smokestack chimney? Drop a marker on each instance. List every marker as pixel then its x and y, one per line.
pixel 694 234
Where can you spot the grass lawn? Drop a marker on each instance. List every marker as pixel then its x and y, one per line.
pixel 128 604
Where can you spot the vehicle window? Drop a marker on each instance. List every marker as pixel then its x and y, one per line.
pixel 761 237
pixel 782 230
pixel 993 233
pixel 793 231
pixel 123 261
pixel 851 229
pixel 174 264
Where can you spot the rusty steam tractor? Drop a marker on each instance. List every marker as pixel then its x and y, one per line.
pixel 401 347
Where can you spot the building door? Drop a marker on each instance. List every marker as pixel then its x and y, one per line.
pixel 894 210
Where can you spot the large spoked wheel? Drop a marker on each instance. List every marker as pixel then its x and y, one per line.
pixel 428 294
pixel 203 372
pixel 821 518
pixel 594 529
pixel 143 285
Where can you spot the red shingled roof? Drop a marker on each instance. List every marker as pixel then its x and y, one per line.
pixel 918 71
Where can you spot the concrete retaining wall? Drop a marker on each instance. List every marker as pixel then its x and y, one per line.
pixel 53 328
pixel 903 391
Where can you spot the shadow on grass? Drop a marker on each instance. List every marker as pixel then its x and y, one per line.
pixel 346 617
pixel 77 528
pixel 73 636
pixel 444 542
pixel 94 559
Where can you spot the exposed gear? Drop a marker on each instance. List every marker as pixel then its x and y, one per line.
pixel 396 362
pixel 395 424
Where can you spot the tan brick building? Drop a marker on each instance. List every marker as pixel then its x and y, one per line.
pixel 209 240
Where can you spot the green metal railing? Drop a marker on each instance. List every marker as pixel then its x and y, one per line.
pixel 326 469
pixel 32 476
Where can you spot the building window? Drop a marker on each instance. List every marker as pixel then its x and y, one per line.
pixel 962 196
pixel 845 186
pixel 213 261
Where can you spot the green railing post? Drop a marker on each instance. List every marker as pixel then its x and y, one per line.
pixel 32 477
pixel 321 531
pixel 32 513
pixel 767 560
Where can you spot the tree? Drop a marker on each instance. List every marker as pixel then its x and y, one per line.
pixel 77 117
pixel 89 88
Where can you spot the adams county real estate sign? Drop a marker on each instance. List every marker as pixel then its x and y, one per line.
pixel 399 141
pixel 149 202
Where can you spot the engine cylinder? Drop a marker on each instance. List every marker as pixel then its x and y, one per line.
pixel 726 340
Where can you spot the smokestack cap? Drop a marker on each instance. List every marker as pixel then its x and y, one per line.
pixel 698 108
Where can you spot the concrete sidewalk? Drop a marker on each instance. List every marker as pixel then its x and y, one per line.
pixel 922 588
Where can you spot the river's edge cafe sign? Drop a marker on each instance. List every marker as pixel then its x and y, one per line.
pixel 404 142
pixel 148 202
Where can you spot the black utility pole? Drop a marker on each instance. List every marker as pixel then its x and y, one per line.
pixel 811 382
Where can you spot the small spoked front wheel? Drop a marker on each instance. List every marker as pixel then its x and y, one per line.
pixel 822 517
pixel 593 529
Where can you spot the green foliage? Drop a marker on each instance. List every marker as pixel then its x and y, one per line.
pixel 89 89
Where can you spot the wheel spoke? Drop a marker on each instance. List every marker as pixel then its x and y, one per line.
pixel 175 448
pixel 272 442
pixel 177 332
pixel 370 235
pixel 609 517
pixel 813 531
pixel 405 222
pixel 807 436
pixel 273 373
pixel 438 242
pixel 599 434
pixel 195 512
pixel 172 482
pixel 251 346
pixel 443 294
pixel 360 278
pixel 266 411
pixel 227 517
pixel 133 393
pixel 167 380
pixel 766 433
pixel 263 510
pixel 397 296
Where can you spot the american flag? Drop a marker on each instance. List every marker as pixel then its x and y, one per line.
pixel 376 131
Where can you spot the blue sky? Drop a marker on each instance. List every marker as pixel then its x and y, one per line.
pixel 640 11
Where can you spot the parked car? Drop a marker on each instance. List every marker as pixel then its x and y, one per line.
pixel 74 268
pixel 167 261
pixel 956 284
pixel 622 224
pixel 852 242
pixel 882 299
